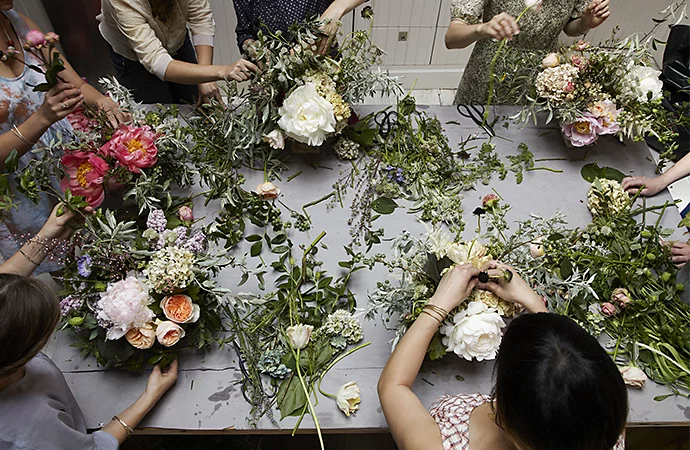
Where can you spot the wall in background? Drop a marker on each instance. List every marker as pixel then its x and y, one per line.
pixel 411 32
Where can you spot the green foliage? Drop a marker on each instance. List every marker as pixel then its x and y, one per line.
pixel 592 171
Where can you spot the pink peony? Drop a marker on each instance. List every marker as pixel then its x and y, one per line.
pixel 34 38
pixel 608 309
pixel 124 305
pixel 86 172
pixel 80 122
pixel 185 213
pixel 133 147
pixel 583 131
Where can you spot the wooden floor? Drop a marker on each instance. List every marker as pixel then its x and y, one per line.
pixel 677 438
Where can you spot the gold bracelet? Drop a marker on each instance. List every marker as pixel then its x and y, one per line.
pixel 437 309
pixel 27 257
pixel 424 311
pixel 127 428
pixel 15 130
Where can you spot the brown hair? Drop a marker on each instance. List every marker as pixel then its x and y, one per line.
pixel 29 313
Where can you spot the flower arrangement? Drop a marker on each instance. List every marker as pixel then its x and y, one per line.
pixel 139 291
pixel 610 89
pixel 474 329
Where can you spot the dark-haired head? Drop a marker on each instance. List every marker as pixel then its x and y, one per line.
pixel 29 312
pixel 556 388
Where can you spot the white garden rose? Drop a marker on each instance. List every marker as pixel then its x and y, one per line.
pixel 474 333
pixel 348 398
pixel 643 80
pixel 633 376
pixel 306 116
pixel 463 253
pixel 299 335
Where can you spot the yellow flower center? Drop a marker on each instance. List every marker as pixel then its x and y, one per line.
pixel 83 170
pixel 582 127
pixel 134 145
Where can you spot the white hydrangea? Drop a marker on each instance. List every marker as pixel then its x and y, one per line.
pixel 607 197
pixel 555 83
pixel 170 270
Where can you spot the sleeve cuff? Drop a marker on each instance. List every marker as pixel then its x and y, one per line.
pixel 161 65
pixel 202 39
pixel 105 441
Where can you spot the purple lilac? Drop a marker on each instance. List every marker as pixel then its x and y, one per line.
pixel 195 243
pixel 181 235
pixel 69 304
pixel 157 220
pixel 84 265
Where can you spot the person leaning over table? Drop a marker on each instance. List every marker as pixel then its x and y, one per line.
pixel 37 408
pixel 555 387
pixel 279 15
pixel 486 22
pixel 153 55
pixel 680 251
pixel 30 120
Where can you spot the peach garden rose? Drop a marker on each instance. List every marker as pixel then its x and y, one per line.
pixel 180 309
pixel 143 337
pixel 169 333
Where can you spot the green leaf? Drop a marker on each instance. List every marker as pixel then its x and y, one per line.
pixel 256 248
pixel 660 398
pixel 459 378
pixel 592 171
pixel 11 161
pixel 253 238
pixel 291 398
pixel 155 359
pixel 384 205
pixel 566 268
pixel 436 348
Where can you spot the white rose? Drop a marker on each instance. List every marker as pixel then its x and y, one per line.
pixel 474 333
pixel 306 116
pixel 267 190
pixel 299 335
pixel 645 80
pixel 275 139
pixel 348 398
pixel 533 5
pixel 458 253
pixel 550 60
pixel 633 376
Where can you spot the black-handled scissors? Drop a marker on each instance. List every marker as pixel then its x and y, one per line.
pixel 386 121
pixel 476 113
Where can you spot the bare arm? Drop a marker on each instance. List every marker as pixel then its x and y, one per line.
pixel 594 15
pixel 461 34
pixel 187 73
pixel 411 425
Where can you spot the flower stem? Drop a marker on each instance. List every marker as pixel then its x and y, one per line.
pixel 530 169
pixel 311 407
pixel 336 361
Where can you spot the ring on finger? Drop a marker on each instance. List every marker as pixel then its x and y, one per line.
pixel 64 105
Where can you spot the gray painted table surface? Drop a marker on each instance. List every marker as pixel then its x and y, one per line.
pixel 207 395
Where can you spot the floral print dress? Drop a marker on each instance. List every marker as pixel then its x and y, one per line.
pixel 538 31
pixel 18 102
pixel 452 413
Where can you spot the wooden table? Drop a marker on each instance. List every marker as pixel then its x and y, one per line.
pixel 207 398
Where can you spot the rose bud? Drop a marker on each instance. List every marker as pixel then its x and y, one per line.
pixel 621 297
pixel 608 309
pixel 348 398
pixel 299 335
pixel 52 38
pixel 142 338
pixel 185 213
pixel 581 45
pixel 169 333
pixel 275 139
pixel 268 191
pixel 536 250
pixel 490 200
pixel 533 5
pixel 35 38
pixel 550 60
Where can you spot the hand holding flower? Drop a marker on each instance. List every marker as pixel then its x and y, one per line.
pixel 516 290
pixel 499 27
pixel 115 115
pixel 160 381
pixel 60 101
pixel 455 286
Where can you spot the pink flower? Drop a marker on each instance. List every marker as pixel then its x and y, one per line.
pixel 34 38
pixel 85 172
pixel 169 333
pixel 581 45
pixel 570 87
pixel 133 147
pixel 577 61
pixel 185 213
pixel 607 116
pixel 583 131
pixel 267 191
pixel 490 200
pixel 80 122
pixel 621 297
pixel 52 38
pixel 608 309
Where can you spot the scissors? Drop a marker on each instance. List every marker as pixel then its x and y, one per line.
pixel 386 121
pixel 476 113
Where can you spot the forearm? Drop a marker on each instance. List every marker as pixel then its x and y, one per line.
pixel 25 261
pixel 131 416
pixel 342 7
pixel 575 28
pixel 677 171
pixel 461 35
pixel 186 73
pixel 32 130
pixel 204 55
pixel 404 364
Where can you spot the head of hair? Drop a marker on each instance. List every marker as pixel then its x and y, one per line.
pixel 29 312
pixel 556 388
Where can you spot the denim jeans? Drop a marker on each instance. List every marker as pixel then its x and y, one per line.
pixel 148 88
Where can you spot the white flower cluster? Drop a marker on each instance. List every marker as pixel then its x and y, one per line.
pixel 556 83
pixel 342 328
pixel 170 270
pixel 306 116
pixel 642 83
pixel 607 197
pixel 475 332
pixel 346 149
pixel 124 305
pixel 326 88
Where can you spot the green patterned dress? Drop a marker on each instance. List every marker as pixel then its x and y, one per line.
pixel 538 31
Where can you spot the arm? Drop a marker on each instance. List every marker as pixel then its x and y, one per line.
pixel 657 184
pixel 332 17
pixel 461 34
pixel 594 15
pixel 411 425
pixel 244 29
pixel 158 384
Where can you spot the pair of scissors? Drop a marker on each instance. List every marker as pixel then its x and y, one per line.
pixel 476 113
pixel 386 121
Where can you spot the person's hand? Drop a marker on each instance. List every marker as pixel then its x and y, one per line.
pixel 208 92
pixel 455 286
pixel 160 381
pixel 515 291
pixel 112 111
pixel 500 26
pixel 240 71
pixel 680 253
pixel 652 186
pixel 60 101
pixel 61 226
pixel 331 24
pixel 595 14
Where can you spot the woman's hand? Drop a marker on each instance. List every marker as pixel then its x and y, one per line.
pixel 652 186
pixel 58 227
pixel 455 286
pixel 516 290
pixel 680 253
pixel 60 101
pixel 595 14
pixel 208 92
pixel 500 26
pixel 240 71
pixel 112 110
pixel 160 381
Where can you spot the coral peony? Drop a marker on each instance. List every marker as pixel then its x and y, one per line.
pixel 133 147
pixel 86 172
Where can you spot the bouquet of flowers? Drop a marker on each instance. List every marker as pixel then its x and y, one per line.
pixel 592 90
pixel 142 159
pixel 134 292
pixel 474 329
